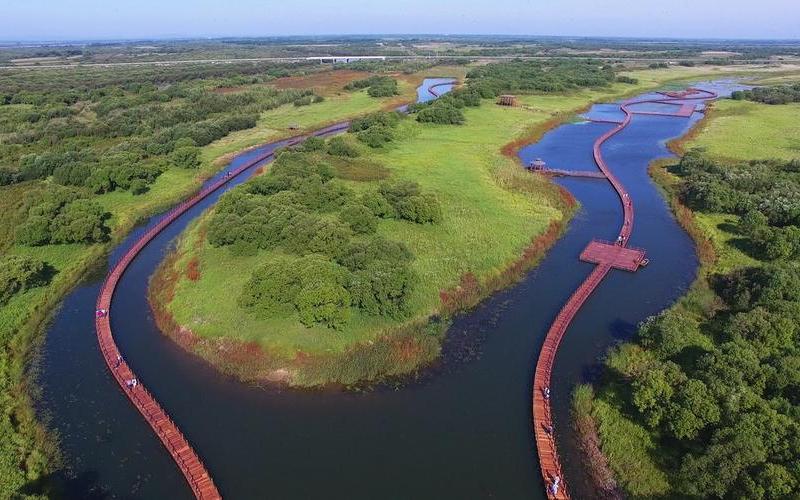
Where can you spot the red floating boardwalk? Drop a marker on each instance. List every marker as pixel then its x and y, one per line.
pixel 436 93
pixel 685 111
pixel 572 173
pixel 616 256
pixel 167 431
pixel 607 256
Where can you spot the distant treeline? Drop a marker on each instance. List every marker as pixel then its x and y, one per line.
pixel 523 77
pixel 779 94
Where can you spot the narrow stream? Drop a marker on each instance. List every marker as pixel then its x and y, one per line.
pixel 464 431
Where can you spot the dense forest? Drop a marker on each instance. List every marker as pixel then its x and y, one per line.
pixel 716 382
pixel 778 94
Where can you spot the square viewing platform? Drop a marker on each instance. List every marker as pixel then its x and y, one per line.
pixel 604 252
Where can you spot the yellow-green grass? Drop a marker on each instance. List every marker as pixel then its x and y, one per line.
pixel 745 130
pixel 485 228
pixel 720 229
pixel 289 119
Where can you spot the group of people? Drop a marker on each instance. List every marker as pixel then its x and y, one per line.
pixel 553 487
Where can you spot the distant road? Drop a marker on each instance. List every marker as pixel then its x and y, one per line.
pixel 296 59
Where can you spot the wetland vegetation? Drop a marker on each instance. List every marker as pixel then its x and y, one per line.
pixel 704 401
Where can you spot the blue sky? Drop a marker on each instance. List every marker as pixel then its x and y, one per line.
pixel 93 19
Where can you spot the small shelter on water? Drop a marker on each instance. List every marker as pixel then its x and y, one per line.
pixel 537 165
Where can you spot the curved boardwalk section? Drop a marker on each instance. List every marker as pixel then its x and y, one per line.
pixel 607 256
pixel 167 431
pixel 435 93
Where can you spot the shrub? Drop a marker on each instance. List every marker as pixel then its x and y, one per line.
pixel 382 288
pixel 338 146
pixel 310 233
pixel 18 274
pixel 72 174
pixel 409 204
pixel 443 114
pixel 627 79
pixel 312 144
pixel 81 221
pixel 34 232
pixel 312 285
pixel 382 118
pixel 63 219
pixel 361 253
pixel 138 186
pixel 8 176
pixel 359 218
pixel 376 136
pixel 186 157
pixel 422 209
pixel 379 86
pixel 377 204
pixel 325 303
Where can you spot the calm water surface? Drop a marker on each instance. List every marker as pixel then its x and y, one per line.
pixel 462 431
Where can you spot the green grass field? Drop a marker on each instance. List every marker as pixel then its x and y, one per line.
pixel 744 130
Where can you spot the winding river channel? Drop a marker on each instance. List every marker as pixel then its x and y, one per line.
pixel 462 431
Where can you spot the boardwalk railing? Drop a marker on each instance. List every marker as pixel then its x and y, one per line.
pixel 167 431
pixel 544 432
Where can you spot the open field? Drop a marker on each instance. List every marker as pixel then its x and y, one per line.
pixel 745 130
pixel 485 227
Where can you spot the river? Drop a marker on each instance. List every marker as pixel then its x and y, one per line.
pixel 462 431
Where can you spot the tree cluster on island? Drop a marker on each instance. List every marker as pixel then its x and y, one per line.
pixel 326 259
pixel 778 94
pixel 377 86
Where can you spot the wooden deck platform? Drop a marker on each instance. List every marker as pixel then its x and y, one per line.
pixel 616 256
